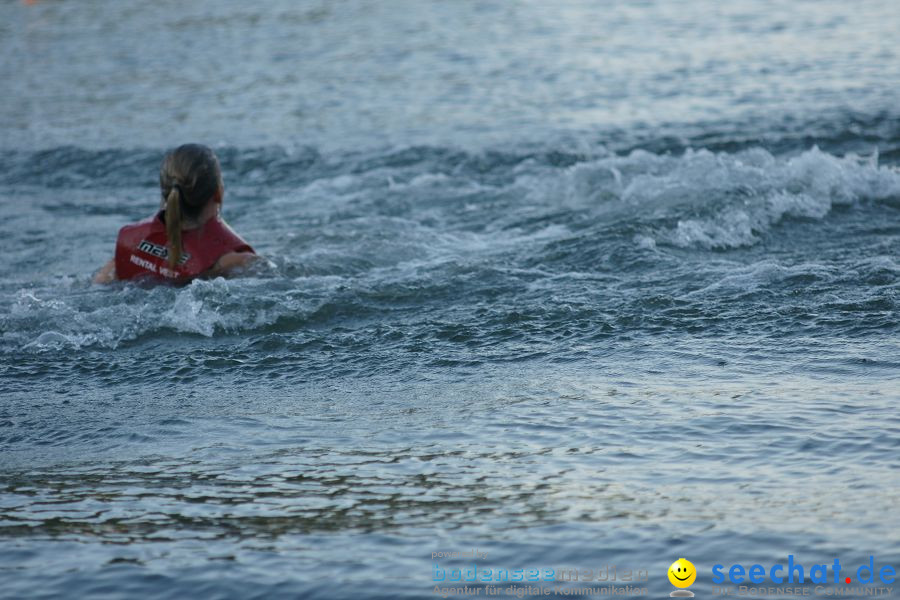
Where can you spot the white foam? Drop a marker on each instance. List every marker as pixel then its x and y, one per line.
pixel 107 317
pixel 716 200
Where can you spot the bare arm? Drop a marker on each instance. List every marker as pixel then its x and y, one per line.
pixel 232 262
pixel 107 272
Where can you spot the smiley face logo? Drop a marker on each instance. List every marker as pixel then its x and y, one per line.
pixel 682 573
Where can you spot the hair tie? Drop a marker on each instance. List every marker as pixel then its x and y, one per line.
pixel 175 186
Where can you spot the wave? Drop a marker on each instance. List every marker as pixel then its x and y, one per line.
pixel 718 200
pixel 430 233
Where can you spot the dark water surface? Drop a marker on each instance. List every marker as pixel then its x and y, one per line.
pixel 575 285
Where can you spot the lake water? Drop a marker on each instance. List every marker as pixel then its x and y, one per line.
pixel 576 284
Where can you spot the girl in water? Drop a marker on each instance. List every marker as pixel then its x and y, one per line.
pixel 187 238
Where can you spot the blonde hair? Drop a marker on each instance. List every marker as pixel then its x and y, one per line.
pixel 189 178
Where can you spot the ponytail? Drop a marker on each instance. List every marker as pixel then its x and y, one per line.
pixel 173 225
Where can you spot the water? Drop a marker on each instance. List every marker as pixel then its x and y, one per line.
pixel 599 283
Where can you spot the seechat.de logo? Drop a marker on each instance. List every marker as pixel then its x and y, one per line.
pixel 682 574
pixel 795 572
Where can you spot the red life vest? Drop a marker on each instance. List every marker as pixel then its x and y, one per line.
pixel 142 249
